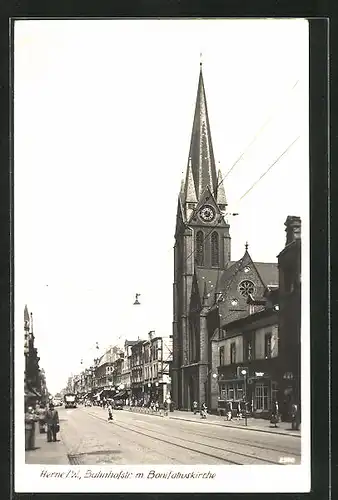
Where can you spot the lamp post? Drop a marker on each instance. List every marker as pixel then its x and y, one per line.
pixel 245 375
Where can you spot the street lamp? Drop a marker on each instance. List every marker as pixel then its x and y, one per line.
pixel 137 303
pixel 245 374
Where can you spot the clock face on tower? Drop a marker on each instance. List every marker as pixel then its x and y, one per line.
pixel 207 213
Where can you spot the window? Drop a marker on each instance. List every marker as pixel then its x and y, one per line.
pixel 267 346
pixel 214 249
pixel 248 349
pixel 200 248
pixel 221 355
pixel 246 288
pixel 261 397
pixel 233 353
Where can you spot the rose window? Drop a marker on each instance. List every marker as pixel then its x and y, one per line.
pixel 246 288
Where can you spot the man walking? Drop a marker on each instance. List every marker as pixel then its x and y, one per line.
pixel 52 421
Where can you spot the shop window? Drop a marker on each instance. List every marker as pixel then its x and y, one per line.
pixel 221 355
pixel 231 394
pixel 232 353
pixel 267 345
pixel 261 397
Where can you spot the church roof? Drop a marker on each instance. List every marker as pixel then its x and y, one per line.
pixel 268 271
pixel 208 278
pixel 201 151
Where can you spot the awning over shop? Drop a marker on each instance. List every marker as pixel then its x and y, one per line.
pixel 120 395
pixel 32 393
pixel 29 394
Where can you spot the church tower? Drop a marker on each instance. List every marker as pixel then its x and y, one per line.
pixel 202 249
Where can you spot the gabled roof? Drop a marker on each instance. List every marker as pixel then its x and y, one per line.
pixel 268 271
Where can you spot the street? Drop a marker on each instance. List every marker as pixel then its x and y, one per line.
pixel 137 438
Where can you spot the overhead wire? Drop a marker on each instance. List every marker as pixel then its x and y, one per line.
pixel 266 122
pixel 250 189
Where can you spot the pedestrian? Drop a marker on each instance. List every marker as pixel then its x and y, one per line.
pixel 204 411
pixel 52 421
pixel 41 412
pixel 239 411
pixel 165 408
pixel 195 407
pixel 229 411
pixel 274 413
pixel 110 412
pixel 30 419
pixel 157 406
pixel 295 416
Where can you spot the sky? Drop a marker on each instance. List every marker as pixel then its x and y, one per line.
pixel 103 112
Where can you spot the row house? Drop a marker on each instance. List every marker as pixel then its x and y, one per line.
pixel 256 358
pixel 126 366
pixel 247 359
pixel 150 362
pixel 108 372
pixel 35 387
pixel 137 370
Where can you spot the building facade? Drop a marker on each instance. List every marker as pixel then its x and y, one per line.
pixel 250 344
pixel 289 263
pixel 35 386
pixel 150 369
pixel 205 278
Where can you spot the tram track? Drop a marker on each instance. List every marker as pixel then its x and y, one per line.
pixel 140 430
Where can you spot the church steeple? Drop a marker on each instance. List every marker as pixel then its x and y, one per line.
pixel 201 152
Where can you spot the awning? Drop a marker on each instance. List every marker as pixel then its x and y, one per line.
pixel 119 395
pixel 32 393
pixel 29 394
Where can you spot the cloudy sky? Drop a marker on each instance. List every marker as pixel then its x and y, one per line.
pixel 103 113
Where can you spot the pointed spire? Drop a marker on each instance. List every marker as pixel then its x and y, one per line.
pixel 221 198
pixel 201 150
pixel 246 246
pixel 31 324
pixel 190 191
pixel 26 318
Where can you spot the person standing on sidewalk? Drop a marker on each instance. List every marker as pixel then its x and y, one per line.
pixel 52 421
pixel 275 413
pixel 30 419
pixel 195 407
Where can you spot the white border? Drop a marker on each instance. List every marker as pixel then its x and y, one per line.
pixel 284 479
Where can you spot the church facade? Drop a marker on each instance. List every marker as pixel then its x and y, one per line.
pixel 210 290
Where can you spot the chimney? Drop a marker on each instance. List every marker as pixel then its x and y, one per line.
pixel 293 229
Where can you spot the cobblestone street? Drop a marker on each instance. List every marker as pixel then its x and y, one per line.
pixel 87 438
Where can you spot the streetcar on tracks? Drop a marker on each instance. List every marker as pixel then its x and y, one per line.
pixel 70 400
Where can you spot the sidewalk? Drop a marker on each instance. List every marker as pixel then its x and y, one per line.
pixel 47 453
pixel 254 424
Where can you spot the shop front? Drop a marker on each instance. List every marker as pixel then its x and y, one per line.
pixel 258 390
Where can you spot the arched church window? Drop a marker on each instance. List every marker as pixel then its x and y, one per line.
pixel 215 249
pixel 246 288
pixel 200 248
